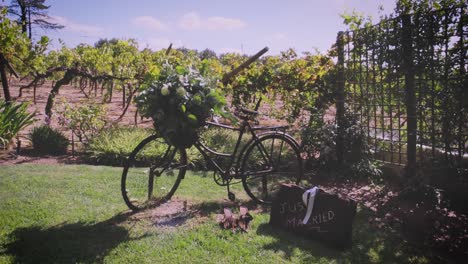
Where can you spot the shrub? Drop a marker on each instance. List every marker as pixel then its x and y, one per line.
pixel 319 142
pixel 47 140
pixel 13 118
pixel 85 119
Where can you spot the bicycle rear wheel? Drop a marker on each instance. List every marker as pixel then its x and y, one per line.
pixel 268 163
pixel 152 173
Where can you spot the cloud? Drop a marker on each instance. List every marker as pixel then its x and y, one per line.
pixel 193 21
pixel 222 23
pixel 190 21
pixel 88 30
pixel 149 23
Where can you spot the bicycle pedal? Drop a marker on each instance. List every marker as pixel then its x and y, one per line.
pixel 231 196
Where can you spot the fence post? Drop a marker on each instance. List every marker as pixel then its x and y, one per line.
pixel 410 95
pixel 340 97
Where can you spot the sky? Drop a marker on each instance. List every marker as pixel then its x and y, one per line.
pixel 243 26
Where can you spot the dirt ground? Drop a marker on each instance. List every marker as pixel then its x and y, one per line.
pixel 72 95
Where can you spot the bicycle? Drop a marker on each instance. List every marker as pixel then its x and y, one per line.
pixel 269 158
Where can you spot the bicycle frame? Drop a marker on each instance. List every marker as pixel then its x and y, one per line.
pixel 236 156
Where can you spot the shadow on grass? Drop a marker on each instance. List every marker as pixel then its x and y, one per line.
pixel 370 245
pixel 289 244
pixel 68 242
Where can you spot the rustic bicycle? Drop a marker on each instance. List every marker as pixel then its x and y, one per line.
pixel 268 158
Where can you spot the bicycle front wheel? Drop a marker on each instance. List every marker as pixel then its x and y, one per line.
pixel 152 173
pixel 273 160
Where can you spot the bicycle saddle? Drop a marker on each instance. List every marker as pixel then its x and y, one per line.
pixel 246 114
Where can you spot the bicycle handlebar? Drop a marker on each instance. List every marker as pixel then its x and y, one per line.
pixel 248 113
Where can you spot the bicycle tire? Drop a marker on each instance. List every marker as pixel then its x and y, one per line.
pixel 262 176
pixel 152 164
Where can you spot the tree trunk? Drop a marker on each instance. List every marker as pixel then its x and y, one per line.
pixel 127 102
pixel 4 77
pixel 123 96
pixel 34 93
pixel 69 74
pixel 23 17
pixel 136 118
pixel 29 23
pixel 95 89
pixel 111 90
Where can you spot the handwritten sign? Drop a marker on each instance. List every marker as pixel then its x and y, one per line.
pixel 331 219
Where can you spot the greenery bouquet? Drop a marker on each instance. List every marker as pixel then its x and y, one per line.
pixel 179 100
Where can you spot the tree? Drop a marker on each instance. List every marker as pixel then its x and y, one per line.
pixel 12 43
pixel 187 51
pixel 32 12
pixel 103 41
pixel 207 54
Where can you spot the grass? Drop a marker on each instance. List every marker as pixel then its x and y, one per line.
pixel 74 213
pixel 112 145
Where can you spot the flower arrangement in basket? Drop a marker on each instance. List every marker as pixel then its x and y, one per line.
pixel 179 100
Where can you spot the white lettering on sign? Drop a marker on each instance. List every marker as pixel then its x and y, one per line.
pixel 283 208
pixel 331 215
pixel 292 222
pixel 317 219
pixel 292 208
pixel 314 220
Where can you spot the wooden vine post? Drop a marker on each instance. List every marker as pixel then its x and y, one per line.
pixel 340 98
pixel 244 65
pixel 410 95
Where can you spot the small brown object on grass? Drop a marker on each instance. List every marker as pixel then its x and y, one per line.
pixel 229 221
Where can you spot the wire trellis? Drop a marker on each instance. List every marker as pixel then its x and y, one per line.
pixel 405 79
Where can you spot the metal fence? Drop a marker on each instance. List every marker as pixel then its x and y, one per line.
pixel 405 80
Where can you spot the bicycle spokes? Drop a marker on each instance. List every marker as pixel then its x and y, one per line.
pixel 269 163
pixel 150 181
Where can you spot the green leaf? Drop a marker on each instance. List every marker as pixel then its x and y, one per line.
pixel 192 118
pixel 180 70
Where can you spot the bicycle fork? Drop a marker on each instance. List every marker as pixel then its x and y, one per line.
pixel 269 159
pixel 231 195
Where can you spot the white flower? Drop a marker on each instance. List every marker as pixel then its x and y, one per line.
pixel 181 91
pixel 165 91
pixel 183 79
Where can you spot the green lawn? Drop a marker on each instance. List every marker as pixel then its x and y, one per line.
pixel 75 213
